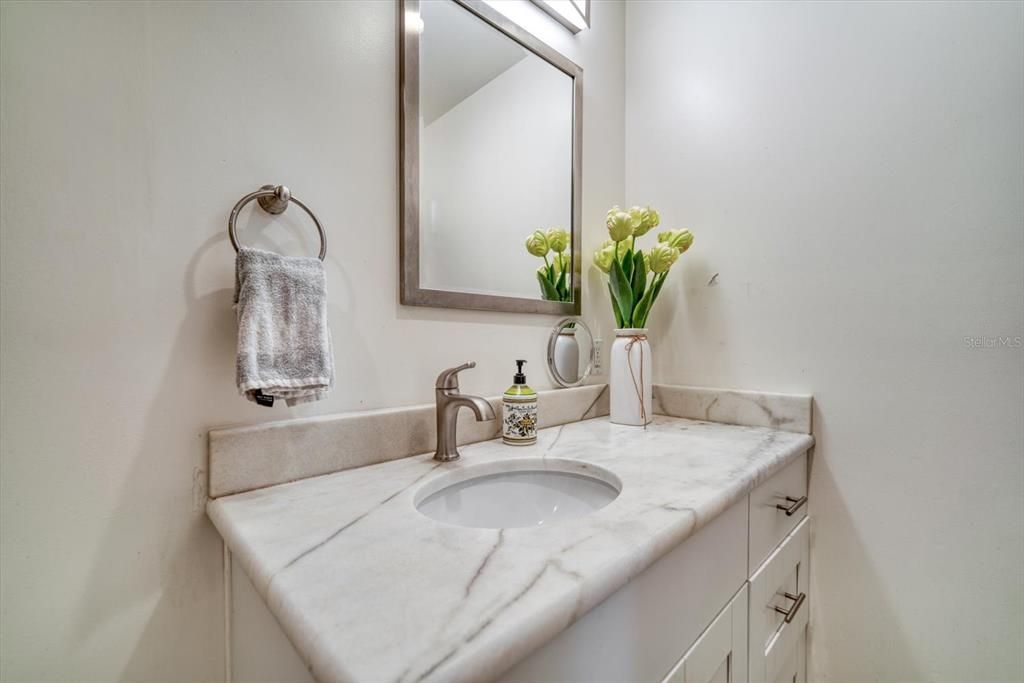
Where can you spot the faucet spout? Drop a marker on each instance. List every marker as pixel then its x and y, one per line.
pixel 480 407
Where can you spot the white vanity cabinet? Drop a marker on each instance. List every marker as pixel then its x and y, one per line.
pixel 686 575
pixel 778 608
pixel 779 584
pixel 668 625
pixel 700 614
pixel 761 634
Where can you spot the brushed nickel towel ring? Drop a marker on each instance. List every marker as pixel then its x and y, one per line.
pixel 274 199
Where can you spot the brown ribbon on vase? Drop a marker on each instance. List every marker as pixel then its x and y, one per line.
pixel 634 339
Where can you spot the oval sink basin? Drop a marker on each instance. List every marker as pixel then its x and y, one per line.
pixel 518 493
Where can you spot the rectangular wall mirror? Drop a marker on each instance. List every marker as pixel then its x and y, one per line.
pixel 490 153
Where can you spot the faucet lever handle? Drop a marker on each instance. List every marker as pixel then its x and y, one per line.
pixel 448 379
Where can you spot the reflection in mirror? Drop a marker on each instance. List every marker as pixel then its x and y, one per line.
pixel 495 154
pixel 570 352
pixel 494 160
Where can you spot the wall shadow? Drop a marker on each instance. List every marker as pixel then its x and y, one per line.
pixel 165 489
pixel 835 616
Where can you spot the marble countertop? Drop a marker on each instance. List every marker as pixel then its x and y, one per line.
pixel 370 590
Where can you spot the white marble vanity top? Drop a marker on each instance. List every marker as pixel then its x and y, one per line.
pixel 370 590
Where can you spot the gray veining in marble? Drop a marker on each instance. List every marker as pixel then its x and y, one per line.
pixel 788 412
pixel 247 458
pixel 369 590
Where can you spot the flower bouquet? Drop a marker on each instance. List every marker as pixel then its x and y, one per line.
pixel 555 275
pixel 635 279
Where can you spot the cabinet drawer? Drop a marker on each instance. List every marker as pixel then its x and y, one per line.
pixel 780 584
pixel 769 524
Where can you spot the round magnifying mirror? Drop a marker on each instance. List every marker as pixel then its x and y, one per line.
pixel 570 352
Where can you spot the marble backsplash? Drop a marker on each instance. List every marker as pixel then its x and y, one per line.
pixel 785 412
pixel 270 453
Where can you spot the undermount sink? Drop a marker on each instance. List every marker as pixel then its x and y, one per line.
pixel 518 493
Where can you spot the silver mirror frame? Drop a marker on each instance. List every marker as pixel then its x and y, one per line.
pixel 411 293
pixel 552 370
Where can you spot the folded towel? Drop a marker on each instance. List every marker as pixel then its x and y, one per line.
pixel 284 342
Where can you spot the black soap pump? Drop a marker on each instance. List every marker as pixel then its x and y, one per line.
pixel 519 411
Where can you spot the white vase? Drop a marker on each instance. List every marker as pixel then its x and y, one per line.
pixel 630 377
pixel 567 355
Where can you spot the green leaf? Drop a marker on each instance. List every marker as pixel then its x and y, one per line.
pixel 615 307
pixel 561 288
pixel 622 292
pixel 657 287
pixel 627 266
pixel 546 288
pixel 643 309
pixel 639 275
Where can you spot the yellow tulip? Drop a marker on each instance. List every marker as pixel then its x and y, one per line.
pixel 649 219
pixel 558 239
pixel 537 243
pixel 620 226
pixel 677 239
pixel 603 257
pixel 661 257
pixel 636 218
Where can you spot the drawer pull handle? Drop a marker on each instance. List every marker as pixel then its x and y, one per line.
pixel 798 601
pixel 796 504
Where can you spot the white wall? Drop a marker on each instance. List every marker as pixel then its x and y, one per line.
pixel 494 168
pixel 128 131
pixel 853 172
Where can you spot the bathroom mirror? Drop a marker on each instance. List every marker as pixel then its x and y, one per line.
pixel 570 352
pixel 490 152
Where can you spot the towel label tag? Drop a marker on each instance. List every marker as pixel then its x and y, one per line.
pixel 263 399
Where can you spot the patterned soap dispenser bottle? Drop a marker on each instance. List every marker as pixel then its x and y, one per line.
pixel 519 411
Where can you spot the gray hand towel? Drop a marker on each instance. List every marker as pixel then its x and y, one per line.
pixel 284 342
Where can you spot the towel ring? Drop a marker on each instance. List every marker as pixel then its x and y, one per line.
pixel 274 199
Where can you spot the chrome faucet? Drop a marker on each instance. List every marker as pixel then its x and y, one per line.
pixel 449 400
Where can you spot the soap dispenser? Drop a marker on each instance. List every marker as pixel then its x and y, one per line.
pixel 519 411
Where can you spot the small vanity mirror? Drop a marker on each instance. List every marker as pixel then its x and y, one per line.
pixel 490 154
pixel 570 352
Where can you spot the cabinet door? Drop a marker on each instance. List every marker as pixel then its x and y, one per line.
pixel 794 670
pixel 778 607
pixel 720 654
